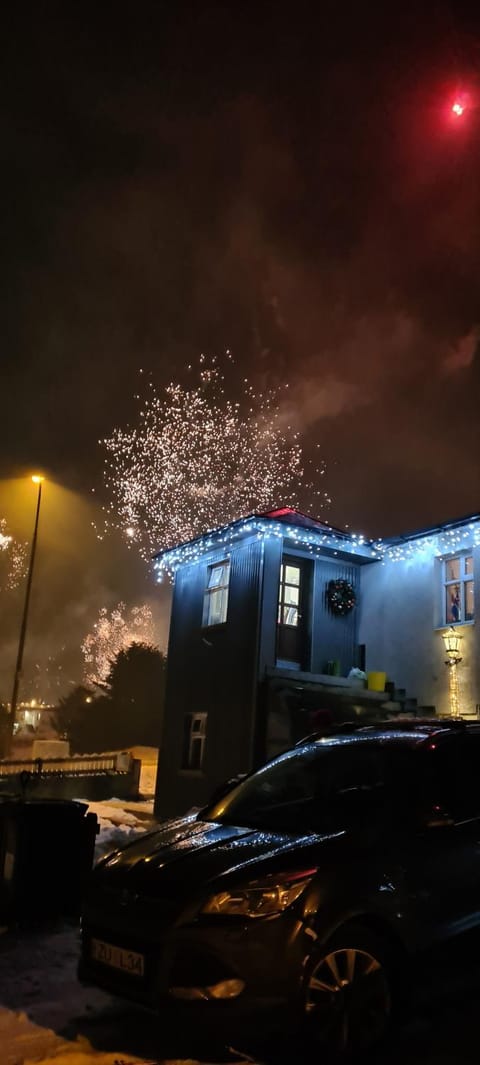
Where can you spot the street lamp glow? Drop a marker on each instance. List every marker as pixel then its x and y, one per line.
pixel 458 108
pixel 451 639
pixel 37 478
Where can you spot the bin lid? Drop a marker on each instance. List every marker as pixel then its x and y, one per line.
pixel 20 802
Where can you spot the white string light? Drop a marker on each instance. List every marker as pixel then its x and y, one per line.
pixel 315 541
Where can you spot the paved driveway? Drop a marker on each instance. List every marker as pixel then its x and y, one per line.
pixel 44 1013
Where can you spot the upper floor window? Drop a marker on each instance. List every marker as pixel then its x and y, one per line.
pixel 215 600
pixel 458 589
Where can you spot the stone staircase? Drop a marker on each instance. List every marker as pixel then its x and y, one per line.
pixel 400 704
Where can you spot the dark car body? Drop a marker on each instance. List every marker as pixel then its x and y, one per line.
pixel 378 829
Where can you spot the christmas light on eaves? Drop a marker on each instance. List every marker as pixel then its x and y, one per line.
pixel 321 540
pixel 442 542
pixel 313 540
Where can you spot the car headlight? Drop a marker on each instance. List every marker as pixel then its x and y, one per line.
pixel 261 898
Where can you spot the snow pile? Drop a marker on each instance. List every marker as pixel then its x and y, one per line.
pixel 119 825
pixel 46 1016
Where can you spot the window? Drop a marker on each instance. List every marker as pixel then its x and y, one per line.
pixel 451 776
pixel 458 589
pixel 215 601
pixel 289 595
pixel 307 790
pixel 194 736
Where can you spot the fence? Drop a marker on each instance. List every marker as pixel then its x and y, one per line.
pixel 91 776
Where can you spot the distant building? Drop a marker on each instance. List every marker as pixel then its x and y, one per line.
pixel 33 715
pixel 270 615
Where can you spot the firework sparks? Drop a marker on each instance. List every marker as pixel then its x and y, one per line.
pixel 196 460
pixel 112 633
pixel 13 555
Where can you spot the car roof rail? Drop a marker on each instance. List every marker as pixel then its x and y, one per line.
pixel 343 727
pixel 401 724
pixel 434 723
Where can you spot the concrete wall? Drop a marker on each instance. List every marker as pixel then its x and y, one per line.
pixel 399 624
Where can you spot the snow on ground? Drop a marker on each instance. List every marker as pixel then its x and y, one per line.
pixel 46 1016
pixel 120 822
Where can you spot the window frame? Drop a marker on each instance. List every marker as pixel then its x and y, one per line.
pixel 212 591
pixel 462 580
pixel 288 563
pixel 194 734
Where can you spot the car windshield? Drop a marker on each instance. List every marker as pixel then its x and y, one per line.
pixel 315 788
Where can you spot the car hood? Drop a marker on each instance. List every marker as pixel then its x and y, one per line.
pixel 190 853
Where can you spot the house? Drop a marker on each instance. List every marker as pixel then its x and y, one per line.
pixel 270 615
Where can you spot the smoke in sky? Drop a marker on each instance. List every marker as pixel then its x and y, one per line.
pixel 286 183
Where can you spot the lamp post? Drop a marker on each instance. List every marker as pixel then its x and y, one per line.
pixel 38 480
pixel 451 639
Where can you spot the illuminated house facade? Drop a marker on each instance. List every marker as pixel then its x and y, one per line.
pixel 271 614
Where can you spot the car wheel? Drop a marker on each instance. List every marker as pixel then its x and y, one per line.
pixel 348 999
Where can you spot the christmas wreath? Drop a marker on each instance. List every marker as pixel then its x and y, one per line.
pixel 341 597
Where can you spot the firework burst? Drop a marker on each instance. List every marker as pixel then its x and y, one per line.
pixel 13 558
pixel 196 460
pixel 112 633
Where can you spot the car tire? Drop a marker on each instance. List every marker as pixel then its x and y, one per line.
pixel 349 992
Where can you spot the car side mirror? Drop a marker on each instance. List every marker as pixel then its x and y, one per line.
pixel 225 787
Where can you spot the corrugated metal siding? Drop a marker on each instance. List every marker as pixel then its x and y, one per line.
pixel 211 669
pixel 216 669
pixel 333 638
pixel 271 577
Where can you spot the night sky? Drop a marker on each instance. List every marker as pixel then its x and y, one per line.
pixel 286 180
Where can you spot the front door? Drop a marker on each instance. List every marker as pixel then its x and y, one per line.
pixel 292 646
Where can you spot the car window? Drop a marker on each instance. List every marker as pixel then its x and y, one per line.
pixel 469 775
pixel 308 789
pixel 357 771
pixel 452 776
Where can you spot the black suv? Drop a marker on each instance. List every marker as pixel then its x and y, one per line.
pixel 311 884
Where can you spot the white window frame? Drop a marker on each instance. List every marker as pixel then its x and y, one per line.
pixel 214 614
pixel 197 736
pixel 283 605
pixel 463 579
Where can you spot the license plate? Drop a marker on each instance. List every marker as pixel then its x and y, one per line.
pixel 117 957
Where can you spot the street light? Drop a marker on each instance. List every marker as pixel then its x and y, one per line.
pixel 451 639
pixel 38 480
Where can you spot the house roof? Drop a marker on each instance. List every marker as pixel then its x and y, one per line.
pixel 299 530
pixel 296 517
pixel 433 530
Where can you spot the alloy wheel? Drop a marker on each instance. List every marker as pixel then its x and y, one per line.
pixel 348 999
